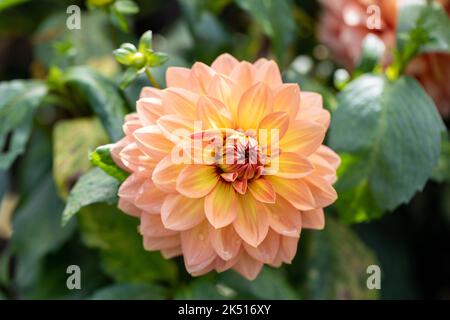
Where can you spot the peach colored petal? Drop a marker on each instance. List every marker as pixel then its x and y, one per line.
pixel 171 252
pixel 284 218
pixel 302 137
pixel 135 160
pixel 128 207
pixel 178 77
pixel 204 75
pixel 288 248
pixel 224 63
pixel 225 241
pixel 131 125
pixel 269 74
pixel 312 109
pixel 329 155
pixel 296 192
pixel 152 141
pixel 115 150
pixel 150 92
pixel 221 205
pixel 180 102
pixel 313 219
pixel 251 223
pixel 213 113
pixel 152 226
pixel 267 250
pixel 198 252
pixel 275 121
pixel 181 213
pixel 243 75
pixel 160 243
pixel 262 190
pixel 287 99
pixel 165 174
pixel 196 181
pixel 321 189
pixel 129 189
pixel 227 91
pixel 149 110
pixel 255 104
pixel 292 166
pixel 247 266
pixel 175 127
pixel 222 265
pixel 260 62
pixel 150 198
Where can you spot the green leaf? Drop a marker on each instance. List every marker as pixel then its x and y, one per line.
pixel 270 284
pixel 126 7
pixel 37 232
pixel 121 246
pixel 206 289
pixel 18 103
pixel 93 187
pixel 128 77
pixel 392 132
pixel 373 50
pixel 102 96
pixel 145 42
pixel 441 172
pixel 118 19
pixel 57 45
pixel 5 4
pixel 276 19
pixel 72 142
pixel 101 158
pixel 335 261
pixel 423 26
pixel 155 59
pixel 130 292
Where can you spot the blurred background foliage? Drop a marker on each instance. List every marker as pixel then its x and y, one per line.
pixel 74 103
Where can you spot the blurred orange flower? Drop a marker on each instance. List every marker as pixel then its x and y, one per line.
pixel 227 166
pixel 343 26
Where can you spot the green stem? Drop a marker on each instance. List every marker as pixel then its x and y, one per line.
pixel 151 79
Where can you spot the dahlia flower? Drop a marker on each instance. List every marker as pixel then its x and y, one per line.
pixel 343 26
pixel 227 166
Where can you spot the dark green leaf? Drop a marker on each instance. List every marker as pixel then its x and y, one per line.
pixel 392 132
pixel 336 261
pixel 270 284
pixel 276 19
pixel 5 4
pixel 441 172
pixel 102 96
pixel 121 246
pixel 18 103
pixel 93 187
pixel 130 292
pixel 205 289
pixel 101 158
pixel 37 232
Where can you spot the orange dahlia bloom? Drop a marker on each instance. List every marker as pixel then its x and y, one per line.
pixel 227 166
pixel 343 26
